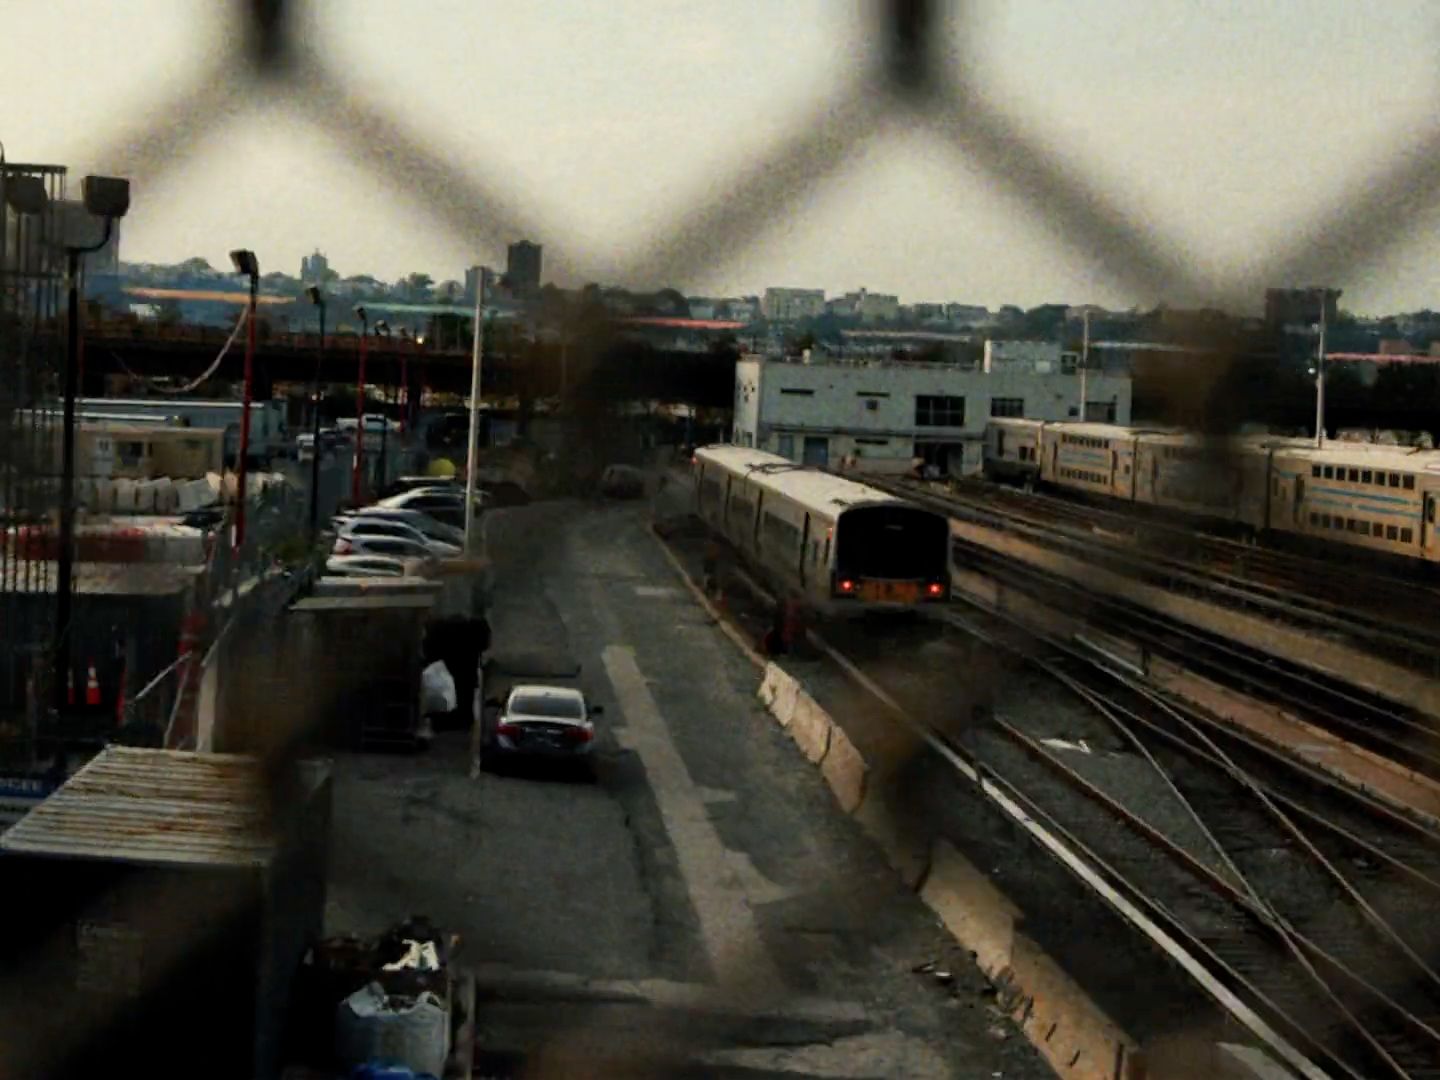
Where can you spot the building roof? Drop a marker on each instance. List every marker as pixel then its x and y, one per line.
pixel 154 807
pixel 669 323
pixel 799 482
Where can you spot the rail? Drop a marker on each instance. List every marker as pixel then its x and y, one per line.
pixel 1418 647
pixel 1350 963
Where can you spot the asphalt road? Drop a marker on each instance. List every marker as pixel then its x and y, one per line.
pixel 702 902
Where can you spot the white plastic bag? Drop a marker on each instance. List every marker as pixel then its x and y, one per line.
pixel 437 690
pixel 369 1026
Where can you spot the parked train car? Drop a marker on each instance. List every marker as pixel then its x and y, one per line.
pixel 1357 494
pixel 268 434
pixel 1012 450
pixel 1382 498
pixel 843 546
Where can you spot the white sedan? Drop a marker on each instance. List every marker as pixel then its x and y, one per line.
pixel 544 721
pixel 365 528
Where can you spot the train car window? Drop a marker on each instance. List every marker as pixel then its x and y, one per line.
pixel 1430 510
pixel 1314 470
pixel 1365 476
pixel 1354 476
pixel 1325 521
pixel 1407 535
pixel 1392 533
pixel 1329 472
pixel 1409 483
pixel 1314 518
pixel 1394 479
pixel 1377 530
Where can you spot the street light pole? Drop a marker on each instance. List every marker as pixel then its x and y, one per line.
pixel 1320 378
pixel 1084 363
pixel 360 411
pixel 109 198
pixel 472 456
pixel 382 327
pixel 245 263
pixel 318 299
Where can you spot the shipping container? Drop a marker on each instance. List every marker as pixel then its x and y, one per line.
pixel 159 906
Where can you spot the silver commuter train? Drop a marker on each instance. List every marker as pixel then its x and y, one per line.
pixel 842 545
pixel 1383 498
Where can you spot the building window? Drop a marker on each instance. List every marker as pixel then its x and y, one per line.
pixel 785 446
pixel 939 411
pixel 873 442
pixel 872 393
pixel 797 391
pixel 130 453
pixel 1007 406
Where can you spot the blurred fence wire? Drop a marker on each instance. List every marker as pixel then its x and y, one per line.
pixel 919 77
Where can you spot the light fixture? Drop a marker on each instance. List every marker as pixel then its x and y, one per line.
pixel 26 194
pixel 245 263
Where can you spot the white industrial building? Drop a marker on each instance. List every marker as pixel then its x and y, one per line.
pixel 888 413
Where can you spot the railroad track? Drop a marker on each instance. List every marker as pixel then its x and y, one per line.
pixel 1080 533
pixel 1368 720
pixel 1317 900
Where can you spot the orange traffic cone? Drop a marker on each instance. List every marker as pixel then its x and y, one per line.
pixel 92 686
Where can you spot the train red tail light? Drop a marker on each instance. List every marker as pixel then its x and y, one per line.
pixel 847 585
pixel 935 588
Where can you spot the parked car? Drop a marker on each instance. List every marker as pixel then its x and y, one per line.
pixel 543 721
pixel 365 566
pixel 441 504
pixel 402 484
pixel 436 530
pixel 399 546
pixel 367 526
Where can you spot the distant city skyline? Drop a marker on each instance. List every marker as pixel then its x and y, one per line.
pixel 1230 131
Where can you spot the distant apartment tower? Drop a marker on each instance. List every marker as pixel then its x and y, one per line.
pixel 1300 307
pixel 791 305
pixel 313 268
pixel 522 267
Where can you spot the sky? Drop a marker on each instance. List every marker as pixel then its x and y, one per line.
pixel 1229 133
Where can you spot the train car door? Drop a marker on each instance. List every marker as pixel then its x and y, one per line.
pixel 1429 539
pixel 804 550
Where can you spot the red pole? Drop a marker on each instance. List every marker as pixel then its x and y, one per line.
pixel 359 418
pixel 240 469
pixel 405 384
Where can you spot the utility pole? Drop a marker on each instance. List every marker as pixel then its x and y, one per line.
pixel 245 263
pixel 359 463
pixel 1320 375
pixel 471 458
pixel 1084 363
pixel 318 299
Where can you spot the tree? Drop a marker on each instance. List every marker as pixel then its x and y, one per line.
pixel 417 286
pixel 196 267
pixel 449 292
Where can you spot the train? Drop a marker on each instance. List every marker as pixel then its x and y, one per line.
pixel 1361 495
pixel 842 546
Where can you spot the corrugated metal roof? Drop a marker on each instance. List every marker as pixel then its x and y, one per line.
pixel 156 807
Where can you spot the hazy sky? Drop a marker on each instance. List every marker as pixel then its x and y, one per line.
pixel 1232 128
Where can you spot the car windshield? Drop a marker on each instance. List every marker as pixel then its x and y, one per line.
pixel 559 708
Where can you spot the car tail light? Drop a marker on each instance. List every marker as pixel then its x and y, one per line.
pixel 935 588
pixel 847 585
pixel 508 730
pixel 579 734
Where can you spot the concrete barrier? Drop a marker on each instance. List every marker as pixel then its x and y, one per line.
pixel 810 728
pixel 844 770
pixel 778 691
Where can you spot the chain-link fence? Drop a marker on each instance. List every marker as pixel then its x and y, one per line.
pixel 914 78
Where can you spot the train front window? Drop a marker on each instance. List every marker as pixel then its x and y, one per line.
pixel 896 543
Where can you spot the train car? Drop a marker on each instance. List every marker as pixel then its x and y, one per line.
pixel 1377 497
pixel 845 547
pixel 1012 450
pixel 1097 459
pixel 1220 478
